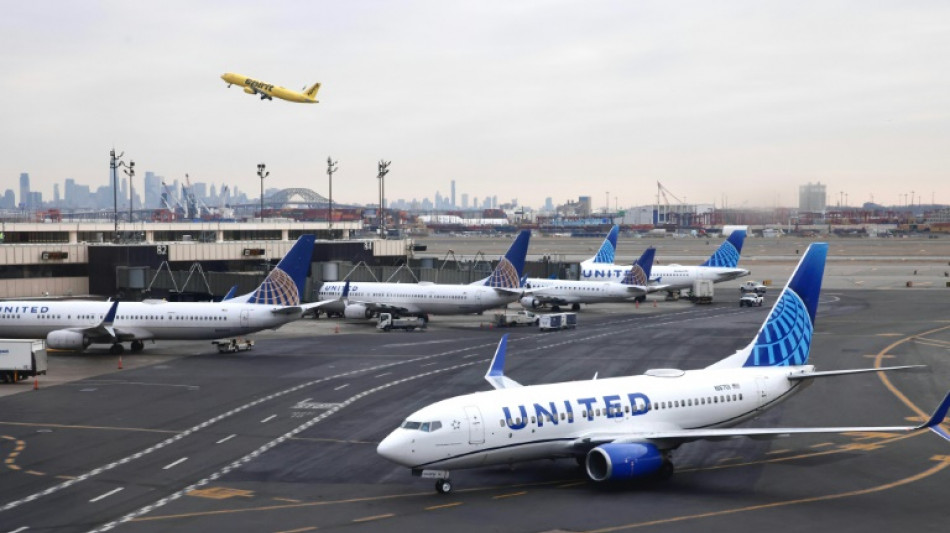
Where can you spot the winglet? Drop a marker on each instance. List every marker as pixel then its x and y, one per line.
pixel 496 371
pixel 230 293
pixel 608 248
pixel 110 316
pixel 937 418
pixel 346 290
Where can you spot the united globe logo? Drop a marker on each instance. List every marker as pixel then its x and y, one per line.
pixel 635 276
pixel 786 337
pixel 504 276
pixel 277 289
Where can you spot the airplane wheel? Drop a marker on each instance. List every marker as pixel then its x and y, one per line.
pixel 137 346
pixel 575 307
pixel 425 319
pixel 443 486
pixel 666 471
pixel 116 349
pixel 556 308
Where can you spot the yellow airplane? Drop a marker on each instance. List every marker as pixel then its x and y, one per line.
pixel 268 91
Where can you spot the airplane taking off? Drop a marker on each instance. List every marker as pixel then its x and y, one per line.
pixel 75 324
pixel 722 265
pixel 308 95
pixel 557 292
pixel 368 299
pixel 628 427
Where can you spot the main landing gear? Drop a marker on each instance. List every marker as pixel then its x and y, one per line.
pixel 116 349
pixel 443 486
pixel 137 346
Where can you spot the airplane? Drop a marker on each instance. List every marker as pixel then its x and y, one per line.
pixel 557 292
pixel 368 299
pixel 626 428
pixel 308 95
pixel 76 324
pixel 721 266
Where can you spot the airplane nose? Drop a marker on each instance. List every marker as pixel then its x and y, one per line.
pixel 393 448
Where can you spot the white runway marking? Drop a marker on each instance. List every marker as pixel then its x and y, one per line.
pixel 268 419
pixel 226 439
pixel 176 463
pixel 106 495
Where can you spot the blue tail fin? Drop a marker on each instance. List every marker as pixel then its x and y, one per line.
pixel 285 284
pixel 639 273
pixel 608 248
pixel 511 267
pixel 727 255
pixel 785 338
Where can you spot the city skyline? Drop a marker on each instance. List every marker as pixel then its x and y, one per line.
pixel 723 103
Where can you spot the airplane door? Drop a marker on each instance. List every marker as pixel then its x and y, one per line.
pixel 762 384
pixel 476 429
pixel 245 318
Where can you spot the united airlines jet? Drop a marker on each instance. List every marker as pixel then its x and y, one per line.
pixel 76 324
pixel 628 427
pixel 722 265
pixel 557 292
pixel 368 299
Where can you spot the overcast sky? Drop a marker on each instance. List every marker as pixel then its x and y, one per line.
pixel 734 101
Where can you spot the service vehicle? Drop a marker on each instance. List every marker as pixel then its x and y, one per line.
pixel 21 359
pixel 753 286
pixel 233 345
pixel 387 322
pixel 556 321
pixel 521 318
pixel 702 292
pixel 751 300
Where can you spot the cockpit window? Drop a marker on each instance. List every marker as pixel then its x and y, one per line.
pixel 427 427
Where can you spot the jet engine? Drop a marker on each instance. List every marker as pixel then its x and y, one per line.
pixel 530 302
pixel 249 90
pixel 623 461
pixel 63 339
pixel 357 311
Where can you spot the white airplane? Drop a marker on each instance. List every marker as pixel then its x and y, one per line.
pixel 75 324
pixel 722 265
pixel 367 299
pixel 628 427
pixel 557 292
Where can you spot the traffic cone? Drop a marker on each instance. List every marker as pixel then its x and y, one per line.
pixel 654 303
pixel 36 383
pixel 336 328
pixel 120 362
pixel 637 302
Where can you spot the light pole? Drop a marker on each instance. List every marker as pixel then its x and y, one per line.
pixel 383 167
pixel 115 161
pixel 261 174
pixel 331 168
pixel 130 172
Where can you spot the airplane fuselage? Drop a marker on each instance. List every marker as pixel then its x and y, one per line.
pixel 158 320
pixel 560 291
pixel 551 421
pixel 418 298
pixel 674 276
pixel 267 90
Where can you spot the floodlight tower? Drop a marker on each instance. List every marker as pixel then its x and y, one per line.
pixel 383 169
pixel 261 174
pixel 331 168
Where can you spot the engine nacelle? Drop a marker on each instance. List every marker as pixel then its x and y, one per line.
pixel 619 462
pixel 530 302
pixel 357 311
pixel 248 90
pixel 67 340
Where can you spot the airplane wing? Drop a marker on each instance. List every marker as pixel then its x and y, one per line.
pixel 673 437
pixel 104 331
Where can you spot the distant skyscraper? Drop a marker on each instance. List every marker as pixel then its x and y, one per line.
pixel 25 189
pixel 812 198
pixel 9 200
pixel 153 190
pixel 56 194
pixel 464 200
pixel 548 204
pixel 453 195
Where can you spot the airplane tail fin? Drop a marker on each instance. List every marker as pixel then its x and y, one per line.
pixel 785 337
pixel 639 273
pixel 311 92
pixel 608 249
pixel 727 255
pixel 285 284
pixel 507 275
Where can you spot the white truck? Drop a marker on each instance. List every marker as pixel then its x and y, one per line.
pixel 387 322
pixel 556 321
pixel 521 318
pixel 702 292
pixel 751 299
pixel 21 359
pixel 233 345
pixel 753 287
